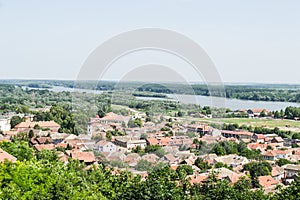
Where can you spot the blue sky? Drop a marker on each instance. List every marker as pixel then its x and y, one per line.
pixel 249 41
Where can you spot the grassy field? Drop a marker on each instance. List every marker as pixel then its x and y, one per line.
pixel 270 123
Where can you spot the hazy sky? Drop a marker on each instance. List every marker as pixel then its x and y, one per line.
pixel 249 40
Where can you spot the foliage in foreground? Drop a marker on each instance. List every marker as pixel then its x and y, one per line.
pixel 44 177
pixel 40 175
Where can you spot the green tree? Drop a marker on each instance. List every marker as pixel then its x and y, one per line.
pixel 30 134
pixel 156 149
pixel 283 161
pixel 138 122
pixel 184 170
pixel 19 149
pixel 37 127
pixel 15 120
pixel 202 164
pixel 257 169
pixel 220 165
pixel 143 165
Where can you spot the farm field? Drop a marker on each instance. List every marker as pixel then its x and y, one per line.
pixel 268 123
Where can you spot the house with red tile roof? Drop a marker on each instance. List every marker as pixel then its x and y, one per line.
pixel 256 112
pixel 10 133
pixel 170 159
pixel 291 171
pixel 170 141
pixel 258 138
pixel 174 167
pixel 152 158
pixel 232 160
pixel 203 129
pixel 75 144
pixel 5 138
pixel 24 126
pixel 44 140
pixel 116 156
pixel 63 157
pixel 267 181
pixel 132 159
pixel 277 140
pixel 239 134
pixel 257 146
pixel 4 156
pixel 233 178
pixel 62 145
pixel 110 120
pixel 152 141
pixel 197 179
pixel 189 161
pixel 210 139
pixel 277 173
pixel 86 157
pixel 40 147
pixel 276 154
pixel 130 143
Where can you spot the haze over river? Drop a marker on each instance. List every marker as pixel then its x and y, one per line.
pixel 233 104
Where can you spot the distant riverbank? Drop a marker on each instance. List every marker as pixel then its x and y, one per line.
pixel 219 102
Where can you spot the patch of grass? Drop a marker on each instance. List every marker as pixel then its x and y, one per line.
pixel 271 123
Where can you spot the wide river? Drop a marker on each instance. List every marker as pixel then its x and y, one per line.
pixel 219 102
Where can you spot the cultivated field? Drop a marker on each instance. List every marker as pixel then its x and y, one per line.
pixel 268 123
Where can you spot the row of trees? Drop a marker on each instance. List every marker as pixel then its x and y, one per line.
pixel 42 176
pixel 259 130
pixel 229 147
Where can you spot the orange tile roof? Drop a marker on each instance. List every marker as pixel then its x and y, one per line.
pixel 164 141
pixel 257 146
pixel 197 179
pixel 10 133
pixel 84 156
pixel 64 158
pixel 260 136
pixel 42 124
pixel 277 171
pixel 270 154
pixel 239 132
pixel 174 167
pixel 234 177
pixel 190 161
pixel 152 158
pixel 282 152
pixel 40 147
pixel 102 143
pixel 43 140
pixel 259 110
pixel 170 157
pixel 6 156
pixel 279 139
pixel 152 141
pixel 266 181
pixel 112 117
pixel 63 145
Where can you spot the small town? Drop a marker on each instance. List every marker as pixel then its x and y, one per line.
pixel 130 143
pixel 149 100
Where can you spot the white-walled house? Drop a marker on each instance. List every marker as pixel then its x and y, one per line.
pixel 105 146
pixel 4 124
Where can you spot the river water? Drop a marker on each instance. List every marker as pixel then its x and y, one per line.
pixel 219 102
